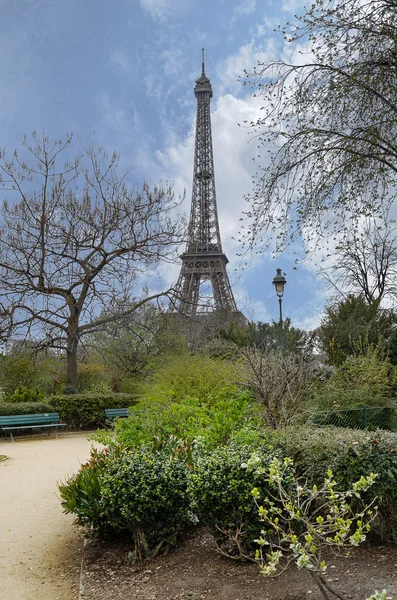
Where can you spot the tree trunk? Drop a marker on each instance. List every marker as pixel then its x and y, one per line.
pixel 71 362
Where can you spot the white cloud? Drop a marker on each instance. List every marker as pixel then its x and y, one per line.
pixel 246 7
pixel 245 58
pixel 293 5
pixel 163 9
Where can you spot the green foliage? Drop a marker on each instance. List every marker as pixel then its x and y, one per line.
pixel 23 394
pixel 91 376
pixel 299 521
pixel 85 411
pixel 81 494
pixel 140 494
pixel 352 325
pixel 129 347
pixel 369 372
pixel 350 454
pixel 215 421
pixel 39 373
pixel 266 336
pixel 18 371
pixel 362 379
pixel 221 490
pixel 25 408
pixel 195 375
pixel 380 596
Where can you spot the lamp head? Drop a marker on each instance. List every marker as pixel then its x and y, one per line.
pixel 279 282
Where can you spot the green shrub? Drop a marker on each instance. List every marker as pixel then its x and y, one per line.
pixel 85 411
pixel 307 521
pixel 362 379
pixel 81 494
pixel 37 372
pixel 194 375
pixel 25 408
pixel 23 394
pixel 19 370
pixel 216 421
pixel 350 454
pixel 140 494
pixel 221 491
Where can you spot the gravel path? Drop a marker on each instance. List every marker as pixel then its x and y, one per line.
pixel 40 549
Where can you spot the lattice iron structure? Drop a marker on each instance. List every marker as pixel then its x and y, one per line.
pixel 204 259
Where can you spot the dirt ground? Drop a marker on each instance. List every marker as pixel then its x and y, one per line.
pixel 195 571
pixel 40 549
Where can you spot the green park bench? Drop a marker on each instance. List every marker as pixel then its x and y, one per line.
pixel 12 423
pixel 113 413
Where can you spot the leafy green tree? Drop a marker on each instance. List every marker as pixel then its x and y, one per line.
pixel 352 325
pixel 266 337
pixel 328 125
pixel 365 378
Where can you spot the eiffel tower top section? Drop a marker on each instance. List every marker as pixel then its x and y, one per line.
pixel 203 233
pixel 203 84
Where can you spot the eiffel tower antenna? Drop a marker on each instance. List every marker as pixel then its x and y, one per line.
pixel 203 259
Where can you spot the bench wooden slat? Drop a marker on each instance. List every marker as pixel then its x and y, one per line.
pixel 34 421
pixel 112 413
pixel 33 426
pixel 33 418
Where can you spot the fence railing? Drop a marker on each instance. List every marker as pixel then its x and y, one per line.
pixel 365 417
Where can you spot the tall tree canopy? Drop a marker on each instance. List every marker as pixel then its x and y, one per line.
pixel 352 325
pixel 329 121
pixel 74 239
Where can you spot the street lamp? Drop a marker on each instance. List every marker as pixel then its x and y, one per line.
pixel 279 282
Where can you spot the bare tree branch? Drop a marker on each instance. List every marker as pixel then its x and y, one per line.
pixel 74 238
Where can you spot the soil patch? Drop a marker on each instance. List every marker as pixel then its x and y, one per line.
pixel 195 571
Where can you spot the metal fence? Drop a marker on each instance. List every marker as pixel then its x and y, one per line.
pixel 365 417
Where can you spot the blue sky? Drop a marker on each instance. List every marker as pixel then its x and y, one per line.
pixel 125 70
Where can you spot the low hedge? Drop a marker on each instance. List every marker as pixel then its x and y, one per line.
pixel 350 454
pixel 86 411
pixel 221 492
pixel 25 408
pixel 140 495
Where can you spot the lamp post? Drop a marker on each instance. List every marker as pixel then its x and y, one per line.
pixel 279 282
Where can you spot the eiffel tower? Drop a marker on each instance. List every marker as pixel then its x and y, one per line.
pixel 204 259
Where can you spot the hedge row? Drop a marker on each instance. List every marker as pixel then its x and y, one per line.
pixel 86 411
pixel 24 408
pixel 154 497
pixel 79 411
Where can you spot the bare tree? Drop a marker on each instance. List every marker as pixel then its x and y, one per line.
pixel 365 263
pixel 279 384
pixel 74 240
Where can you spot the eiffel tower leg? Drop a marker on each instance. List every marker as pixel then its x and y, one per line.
pixel 188 288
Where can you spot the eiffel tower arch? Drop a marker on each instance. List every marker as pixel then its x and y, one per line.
pixel 204 262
